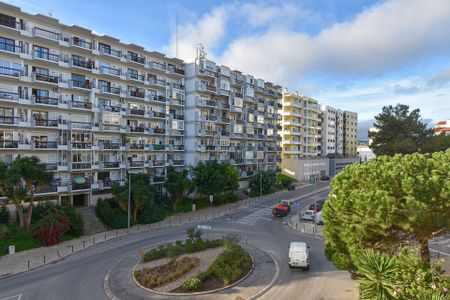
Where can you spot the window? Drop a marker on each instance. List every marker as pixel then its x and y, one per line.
pixel 133 73
pixel 7 44
pixel 6 20
pixel 41 71
pixel 40 52
pixel 104 48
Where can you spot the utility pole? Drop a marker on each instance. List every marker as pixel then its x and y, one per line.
pixel 315 200
pixel 261 181
pixel 129 198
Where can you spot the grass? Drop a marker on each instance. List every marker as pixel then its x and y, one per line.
pixel 13 235
pixel 160 275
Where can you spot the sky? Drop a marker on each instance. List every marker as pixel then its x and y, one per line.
pixel 354 55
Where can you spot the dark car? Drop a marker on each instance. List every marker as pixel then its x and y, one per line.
pixel 325 177
pixel 315 208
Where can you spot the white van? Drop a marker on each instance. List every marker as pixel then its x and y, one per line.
pixel 299 255
pixel 318 218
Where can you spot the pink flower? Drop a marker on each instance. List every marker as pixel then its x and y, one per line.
pixel 445 289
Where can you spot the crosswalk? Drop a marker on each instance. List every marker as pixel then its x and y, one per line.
pixel 255 215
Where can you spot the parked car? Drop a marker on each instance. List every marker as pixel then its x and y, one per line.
pixel 318 218
pixel 325 177
pixel 308 215
pixel 315 208
pixel 298 255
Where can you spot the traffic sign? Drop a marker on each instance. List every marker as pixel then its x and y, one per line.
pixel 298 203
pixel 211 198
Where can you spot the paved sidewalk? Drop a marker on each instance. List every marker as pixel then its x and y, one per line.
pixel 26 260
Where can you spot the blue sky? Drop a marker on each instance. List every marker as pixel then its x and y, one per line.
pixel 354 55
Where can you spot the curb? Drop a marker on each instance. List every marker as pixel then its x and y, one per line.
pixel 271 283
pixel 195 293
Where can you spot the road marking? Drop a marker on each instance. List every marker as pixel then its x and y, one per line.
pixel 15 297
pixel 255 216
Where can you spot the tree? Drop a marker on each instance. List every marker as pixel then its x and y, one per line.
pixel 142 192
pixel 436 143
pixel 386 203
pixel 178 185
pixel 213 178
pixel 266 178
pixel 399 131
pixel 21 181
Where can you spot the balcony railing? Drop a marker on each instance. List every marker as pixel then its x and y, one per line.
pixel 137 128
pixel 137 146
pixel 111 164
pixel 45 100
pixel 137 59
pixel 137 111
pixel 9 120
pixel 45 122
pixel 137 163
pixel 111 71
pixel 158 98
pixel 88 64
pixel 111 108
pixel 82 43
pixel 10 71
pixel 45 145
pixel 111 52
pixel 81 145
pixel 8 144
pixel 159 147
pixel 159 114
pixel 47 34
pixel 81 104
pixel 81 186
pixel 137 94
pixel 157 81
pixel 46 56
pixel 110 146
pixel 82 84
pixel 159 130
pixel 81 165
pixel 9 96
pixel 81 125
pixel 46 78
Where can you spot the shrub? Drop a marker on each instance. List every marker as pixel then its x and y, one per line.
pixel 40 210
pixel 4 215
pixel 76 221
pixel 230 265
pixel 226 198
pixel 192 284
pixel 151 213
pixel 51 228
pixel 111 214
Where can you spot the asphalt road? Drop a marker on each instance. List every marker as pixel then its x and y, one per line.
pixel 82 275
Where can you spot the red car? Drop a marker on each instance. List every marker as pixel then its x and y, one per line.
pixel 316 209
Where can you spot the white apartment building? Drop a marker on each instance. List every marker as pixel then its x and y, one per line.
pixel 300 126
pixel 329 130
pixel 231 117
pixel 89 106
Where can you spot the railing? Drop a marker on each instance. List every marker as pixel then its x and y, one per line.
pixel 178 117
pixel 46 56
pixel 137 128
pixel 48 188
pixel 45 100
pixel 137 59
pixel 9 144
pixel 211 103
pixel 137 146
pixel 47 34
pixel 83 64
pixel 45 122
pixel 10 71
pixel 208 72
pixel 110 146
pixel 159 130
pixel 9 120
pixel 111 164
pixel 178 162
pixel 81 165
pixel 45 145
pixel 157 81
pixel 111 52
pixel 81 84
pixel 111 71
pixel 159 114
pixel 81 125
pixel 136 111
pixel 81 145
pixel 178 147
pixel 137 77
pixel 52 167
pixel 137 163
pixel 46 78
pixel 81 104
pixel 111 108
pixel 9 96
pixel 82 43
pixel 138 94
pixel 159 163
pixel 159 147
pixel 110 89
pixel 111 127
pixel 158 66
pixel 81 186
pixel 159 98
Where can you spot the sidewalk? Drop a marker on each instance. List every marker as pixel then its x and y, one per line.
pixel 26 260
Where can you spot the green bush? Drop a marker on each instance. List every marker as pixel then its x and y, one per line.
pixel 230 265
pixel 111 214
pixel 192 284
pixel 4 215
pixel 151 213
pixel 14 235
pixel 51 228
pixel 77 228
pixel 226 198
pixel 40 210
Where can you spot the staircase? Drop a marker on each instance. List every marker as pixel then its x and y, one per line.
pixel 92 224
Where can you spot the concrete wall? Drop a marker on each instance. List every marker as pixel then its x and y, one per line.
pixel 301 169
pixel 338 163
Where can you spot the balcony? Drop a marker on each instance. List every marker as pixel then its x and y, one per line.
pixel 81 145
pixel 110 164
pixel 45 100
pixel 157 82
pixel 110 108
pixel 140 128
pixel 9 144
pixel 136 77
pixel 110 71
pixel 81 186
pixel 137 111
pixel 46 78
pixel 176 71
pixel 87 85
pixel 80 43
pixel 11 72
pixel 136 94
pixel 159 130
pixel 158 114
pixel 85 64
pixel 45 56
pixel 10 96
pixel 81 165
pixel 158 98
pixel 104 89
pixel 47 34
pixel 109 146
pixel 111 52
pixel 158 147
pixel 81 125
pixel 157 66
pixel 159 163
pixel 134 146
pixel 136 59
pixel 81 104
pixel 136 164
pixel 176 162
pixel 9 120
pixel 44 145
pixel 40 122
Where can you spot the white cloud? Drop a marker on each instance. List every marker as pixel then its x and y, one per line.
pixel 257 15
pixel 209 30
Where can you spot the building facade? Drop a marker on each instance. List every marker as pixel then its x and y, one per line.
pixel 89 106
pixel 350 134
pixel 231 117
pixel 300 126
pixel 442 127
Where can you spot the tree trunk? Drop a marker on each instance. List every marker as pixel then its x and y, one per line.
pixel 175 203
pixel 135 211
pixel 29 212
pixel 21 215
pixel 424 250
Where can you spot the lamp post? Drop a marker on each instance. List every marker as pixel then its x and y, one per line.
pixel 129 199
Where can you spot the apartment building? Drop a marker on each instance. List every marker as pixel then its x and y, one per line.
pixel 300 126
pixel 231 117
pixel 350 141
pixel 328 122
pixel 89 106
pixel 442 127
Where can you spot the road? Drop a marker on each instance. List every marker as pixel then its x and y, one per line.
pixel 82 275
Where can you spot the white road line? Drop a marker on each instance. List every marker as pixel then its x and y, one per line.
pixel 15 297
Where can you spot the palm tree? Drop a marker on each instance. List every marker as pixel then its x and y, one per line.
pixel 376 275
pixel 21 181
